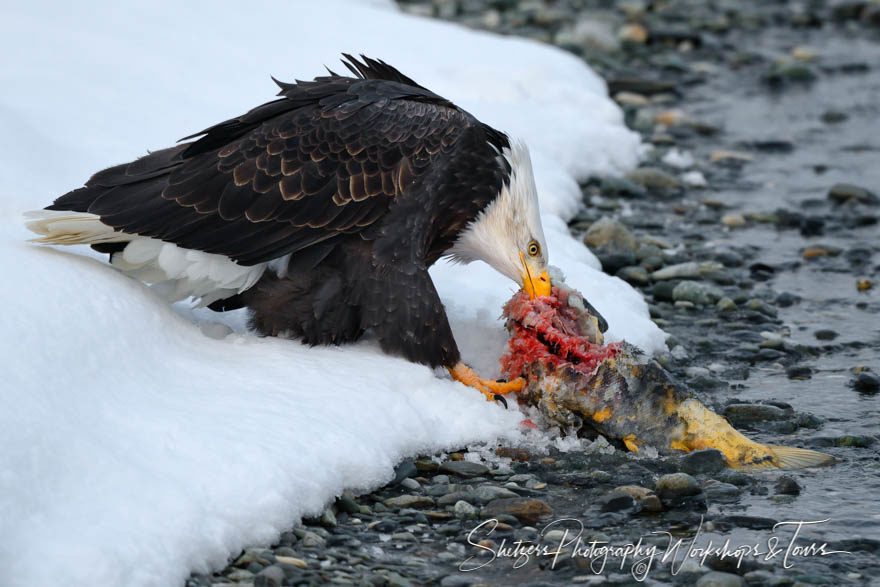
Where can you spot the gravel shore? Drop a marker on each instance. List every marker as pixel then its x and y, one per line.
pixel 751 228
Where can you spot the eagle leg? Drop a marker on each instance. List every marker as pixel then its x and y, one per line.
pixel 492 389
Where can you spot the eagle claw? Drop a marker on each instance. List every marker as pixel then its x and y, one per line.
pixel 492 389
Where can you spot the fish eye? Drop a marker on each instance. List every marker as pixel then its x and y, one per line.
pixel 534 248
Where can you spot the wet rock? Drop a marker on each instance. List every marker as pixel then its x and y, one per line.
pixel 269 577
pixel 409 501
pixel 515 454
pixel 720 491
pixel 608 231
pixel 677 485
pixel 633 33
pixel 454 496
pixel 703 462
pixel 487 493
pixel 845 192
pixel 526 509
pixel 751 522
pixel 464 469
pixel 786 485
pixel 725 305
pixel 730 158
pixel 825 334
pixel 403 470
pixel 646 498
pixel 656 181
pixel 617 187
pixel 647 87
pixel 801 372
pixel 744 414
pixel 616 501
pixel 866 382
pixel 634 275
pixel 784 74
pixel 697 293
pixel 719 579
pixel 762 307
pixel 733 220
pixel 463 510
pixel 688 270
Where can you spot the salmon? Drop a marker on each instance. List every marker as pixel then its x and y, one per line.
pixel 557 345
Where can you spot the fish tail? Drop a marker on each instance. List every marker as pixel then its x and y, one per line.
pixel 706 429
pixel 789 457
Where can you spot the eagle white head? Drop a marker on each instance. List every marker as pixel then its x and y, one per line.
pixel 507 234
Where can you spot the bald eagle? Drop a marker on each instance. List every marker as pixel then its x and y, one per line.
pixel 321 212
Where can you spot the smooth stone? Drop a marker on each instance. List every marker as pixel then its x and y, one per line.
pixel 725 304
pixel 866 382
pixel 762 307
pixel 526 509
pixel 787 485
pixel 616 501
pixel 270 577
pixel 403 470
pixel 464 468
pixel 404 537
pixel 408 501
pixel 463 510
pixel 486 493
pixel 697 293
pixel 440 479
pixel 634 275
pixel 733 220
pixel 644 496
pixel 607 231
pixel 719 579
pixel 677 485
pixel 747 413
pixel 844 192
pixel 689 269
pixel 825 334
pixel 411 484
pixel 706 461
pixel 801 372
pixel 655 180
pixel 721 491
pixel 617 187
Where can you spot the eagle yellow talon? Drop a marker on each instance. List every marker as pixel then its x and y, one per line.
pixel 488 387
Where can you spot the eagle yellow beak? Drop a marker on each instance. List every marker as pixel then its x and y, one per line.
pixel 534 283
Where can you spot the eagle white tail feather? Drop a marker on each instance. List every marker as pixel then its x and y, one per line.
pixel 173 272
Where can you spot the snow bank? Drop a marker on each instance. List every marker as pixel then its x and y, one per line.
pixel 136 448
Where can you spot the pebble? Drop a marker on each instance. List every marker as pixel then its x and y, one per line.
pixel 607 231
pixel 845 192
pixel 787 485
pixel 616 501
pixel 411 484
pixel 749 413
pixel 643 496
pixel 634 274
pixel 720 491
pixel 408 501
pixel 703 462
pixel 730 157
pixel 733 220
pixel 655 180
pixel 677 485
pixel 463 510
pixel 801 372
pixel 464 468
pixel 725 305
pixel 866 382
pixel 526 509
pixel 633 33
pixel 270 577
pixel 688 270
pixel 618 187
pixel 825 334
pixel 719 579
pixel 696 293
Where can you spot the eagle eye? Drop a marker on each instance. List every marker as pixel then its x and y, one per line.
pixel 534 249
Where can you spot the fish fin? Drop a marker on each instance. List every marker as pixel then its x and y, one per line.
pixel 789 457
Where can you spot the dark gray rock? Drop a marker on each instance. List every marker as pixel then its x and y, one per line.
pixel 845 192
pixel 677 485
pixel 616 501
pixel 787 485
pixel 269 577
pixel 718 579
pixel 799 372
pixel 866 382
pixel 703 462
pixel 464 468
pixel 825 334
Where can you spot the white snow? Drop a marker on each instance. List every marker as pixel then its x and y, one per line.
pixel 139 442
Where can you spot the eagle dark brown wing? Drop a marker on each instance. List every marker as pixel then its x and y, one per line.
pixel 325 160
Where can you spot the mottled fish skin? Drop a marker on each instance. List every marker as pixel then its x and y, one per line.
pixel 631 398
